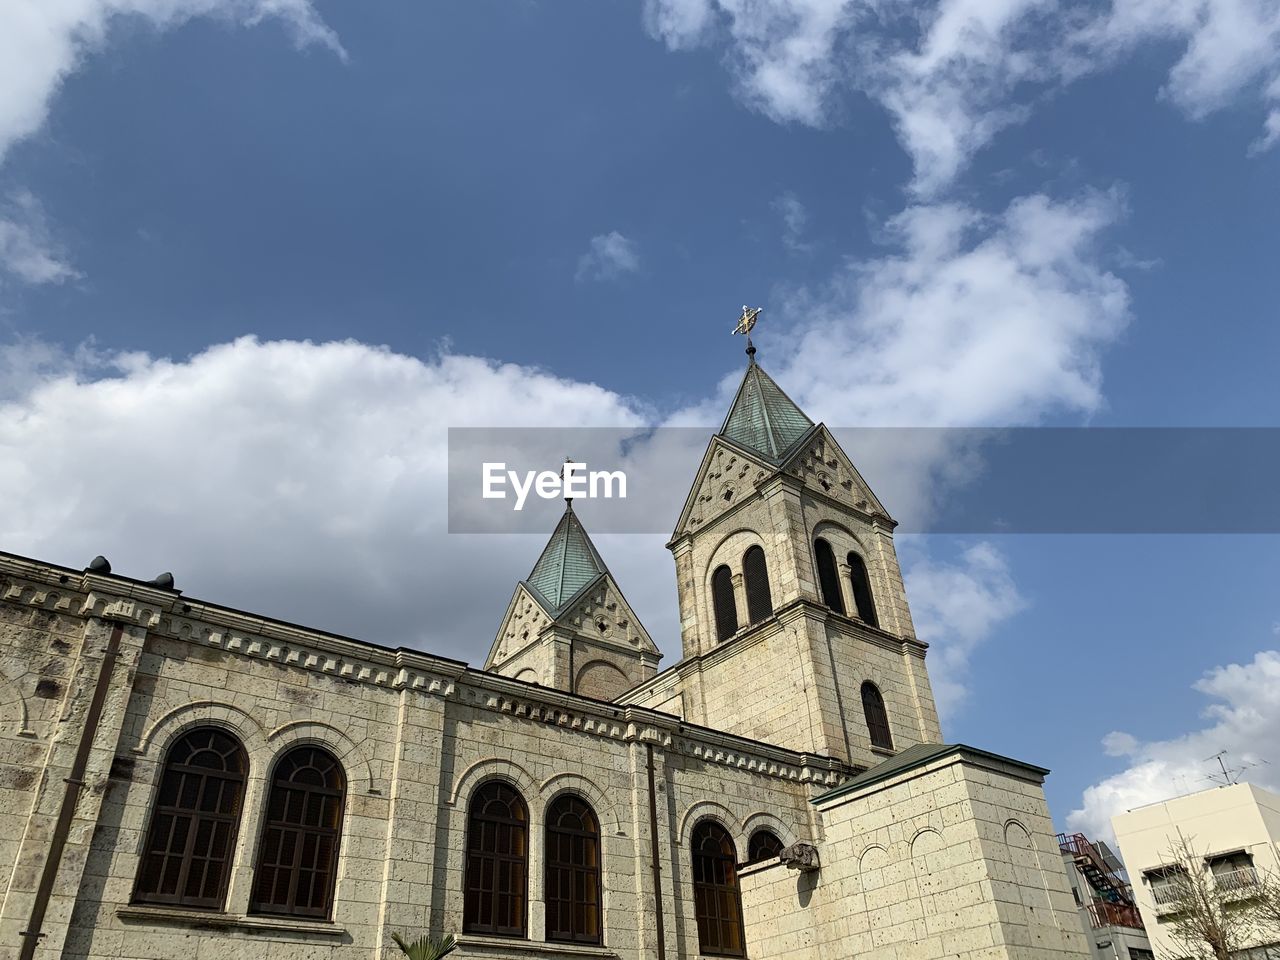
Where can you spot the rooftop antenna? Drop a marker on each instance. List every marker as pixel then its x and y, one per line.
pixel 1224 778
pixel 1229 775
pixel 746 323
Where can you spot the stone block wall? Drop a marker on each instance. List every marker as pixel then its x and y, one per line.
pixel 416 735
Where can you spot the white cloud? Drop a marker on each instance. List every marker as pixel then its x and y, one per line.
pixel 608 256
pixel 1243 719
pixel 301 480
pixel 1270 135
pixel 974 319
pixel 957 606
pixel 41 43
pixel 27 251
pixel 307 481
pixel 795 218
pixel 953 73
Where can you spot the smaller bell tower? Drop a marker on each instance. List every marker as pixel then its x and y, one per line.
pixel 568 626
pixel 793 617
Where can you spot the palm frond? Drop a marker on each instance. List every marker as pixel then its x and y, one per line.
pixel 426 948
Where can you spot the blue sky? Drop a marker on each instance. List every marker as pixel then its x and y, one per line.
pixel 950 218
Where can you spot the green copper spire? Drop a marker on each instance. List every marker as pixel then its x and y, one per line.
pixel 763 418
pixel 568 564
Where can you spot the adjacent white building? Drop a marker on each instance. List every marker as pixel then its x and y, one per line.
pixel 1234 828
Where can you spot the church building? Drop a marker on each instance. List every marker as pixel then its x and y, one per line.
pixel 181 780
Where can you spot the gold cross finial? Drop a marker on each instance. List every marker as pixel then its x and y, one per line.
pixel 747 321
pixel 745 324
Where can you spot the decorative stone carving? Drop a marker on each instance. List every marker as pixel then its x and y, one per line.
pixel 800 856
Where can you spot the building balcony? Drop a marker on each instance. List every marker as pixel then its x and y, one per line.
pixel 1238 883
pixel 1167 898
pixel 1104 914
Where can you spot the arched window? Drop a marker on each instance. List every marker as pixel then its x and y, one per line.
pixel 187 859
pixel 828 578
pixel 861 584
pixel 716 900
pixel 726 608
pixel 763 845
pixel 573 871
pixel 755 576
pixel 298 856
pixel 877 717
pixel 497 862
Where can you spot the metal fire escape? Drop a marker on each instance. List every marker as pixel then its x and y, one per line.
pixel 1113 900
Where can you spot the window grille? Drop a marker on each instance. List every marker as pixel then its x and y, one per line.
pixel 194 821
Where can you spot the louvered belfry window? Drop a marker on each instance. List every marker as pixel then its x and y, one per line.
pixel 755 576
pixel 861 583
pixel 877 717
pixel 716 900
pixel 573 872
pixel 763 845
pixel 723 603
pixel 495 889
pixel 828 577
pixel 298 856
pixel 187 859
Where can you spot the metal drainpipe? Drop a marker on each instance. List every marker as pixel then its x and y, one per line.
pixel 653 847
pixel 74 784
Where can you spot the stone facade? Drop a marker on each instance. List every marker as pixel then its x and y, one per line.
pixel 921 850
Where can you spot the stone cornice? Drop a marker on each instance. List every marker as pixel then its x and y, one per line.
pixel 165 613
pixel 929 758
pixel 860 628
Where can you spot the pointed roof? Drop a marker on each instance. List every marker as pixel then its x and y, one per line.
pixel 763 418
pixel 569 562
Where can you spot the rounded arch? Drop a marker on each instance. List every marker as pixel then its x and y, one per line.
pixel 559 784
pixel 717 896
pixel 194 819
pixel 824 563
pixel 527 675
pixel 710 810
pixel 728 553
pixel 731 547
pixel 600 680
pixel 499 829
pixel 14 712
pixel 573 841
pixel 864 597
pixel 492 769
pixel 724 603
pixel 755 578
pixel 157 738
pixel 786 832
pixel 874 856
pixel 1016 834
pixel 296 866
pixel 876 715
pixel 927 840
pixel 763 843
pixel 353 756
pixel 841 537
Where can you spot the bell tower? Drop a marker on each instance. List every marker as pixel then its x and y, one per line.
pixel 794 622
pixel 568 626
